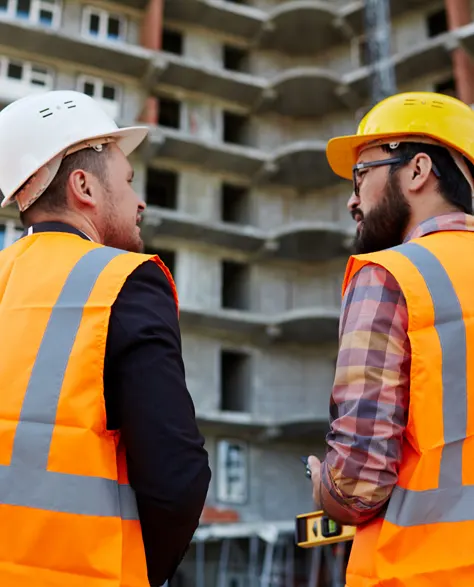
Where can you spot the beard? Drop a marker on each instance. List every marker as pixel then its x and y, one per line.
pixel 384 226
pixel 125 236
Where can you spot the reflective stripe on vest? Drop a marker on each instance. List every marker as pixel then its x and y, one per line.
pixel 451 502
pixel 26 481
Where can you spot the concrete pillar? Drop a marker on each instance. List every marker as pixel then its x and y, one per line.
pixel 459 14
pixel 151 34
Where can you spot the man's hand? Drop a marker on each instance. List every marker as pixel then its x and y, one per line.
pixel 315 466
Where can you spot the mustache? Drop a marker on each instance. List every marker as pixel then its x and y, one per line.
pixel 357 214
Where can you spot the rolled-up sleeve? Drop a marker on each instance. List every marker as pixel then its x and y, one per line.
pixel 369 402
pixel 148 400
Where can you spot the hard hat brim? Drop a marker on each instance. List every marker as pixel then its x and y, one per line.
pixel 128 138
pixel 342 152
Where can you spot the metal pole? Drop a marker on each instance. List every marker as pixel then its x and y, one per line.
pixel 290 564
pixel 315 562
pixel 378 34
pixel 337 565
pixel 267 565
pixel 200 557
pixel 253 561
pixel 223 562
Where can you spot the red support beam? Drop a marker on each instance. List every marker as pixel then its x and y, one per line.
pixel 151 35
pixel 458 14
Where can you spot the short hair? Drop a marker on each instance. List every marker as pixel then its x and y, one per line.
pixel 54 198
pixel 452 184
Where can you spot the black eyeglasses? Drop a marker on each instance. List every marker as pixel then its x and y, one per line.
pixel 379 163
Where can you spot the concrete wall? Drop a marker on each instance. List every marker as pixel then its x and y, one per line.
pixel 278 489
pixel 284 382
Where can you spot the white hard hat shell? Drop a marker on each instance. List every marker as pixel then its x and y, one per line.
pixel 36 129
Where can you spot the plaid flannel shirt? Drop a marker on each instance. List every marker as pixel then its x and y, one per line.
pixel 369 402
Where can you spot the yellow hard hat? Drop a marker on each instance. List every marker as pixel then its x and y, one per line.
pixel 408 116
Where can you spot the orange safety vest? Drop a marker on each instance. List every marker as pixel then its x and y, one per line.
pixel 68 517
pixel 426 536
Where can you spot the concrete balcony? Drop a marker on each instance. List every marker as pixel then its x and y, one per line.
pixel 303 241
pixel 211 155
pixel 353 12
pixel 302 165
pixel 425 58
pixel 320 26
pixel 115 57
pixel 244 425
pixel 302 27
pixel 303 92
pixel 464 36
pixel 244 22
pixel 313 326
pixel 161 222
pixel 11 90
pixel 185 73
pixel 310 241
pixel 306 326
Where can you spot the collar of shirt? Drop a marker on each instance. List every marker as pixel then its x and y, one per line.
pixel 54 227
pixel 444 222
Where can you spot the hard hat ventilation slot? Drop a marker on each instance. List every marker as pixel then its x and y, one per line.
pixel 437 104
pixel 70 104
pixel 411 102
pixel 46 112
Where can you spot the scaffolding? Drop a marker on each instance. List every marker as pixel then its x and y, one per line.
pixel 378 36
pixel 261 555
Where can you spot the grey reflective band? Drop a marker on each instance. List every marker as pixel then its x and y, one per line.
pixel 26 481
pixel 452 501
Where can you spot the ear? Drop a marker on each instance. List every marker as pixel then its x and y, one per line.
pixel 83 187
pixel 419 170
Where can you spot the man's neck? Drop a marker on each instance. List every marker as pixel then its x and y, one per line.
pixel 81 224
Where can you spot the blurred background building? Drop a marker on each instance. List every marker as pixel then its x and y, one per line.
pixel 241 97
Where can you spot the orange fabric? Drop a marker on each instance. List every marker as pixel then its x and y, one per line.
pixel 439 554
pixel 52 548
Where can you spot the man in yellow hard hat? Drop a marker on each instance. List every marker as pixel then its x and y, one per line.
pixel 401 443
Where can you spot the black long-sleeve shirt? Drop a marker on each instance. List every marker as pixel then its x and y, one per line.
pixel 147 399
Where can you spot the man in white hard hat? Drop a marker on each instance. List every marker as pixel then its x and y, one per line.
pixel 103 471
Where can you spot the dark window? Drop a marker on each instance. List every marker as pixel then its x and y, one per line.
pixel 23 8
pixel 94 24
pixel 437 23
pixel 364 55
pixel 161 188
pixel 169 113
pixel 235 285
pixel 235 59
pixel 89 89
pixel 447 87
pixel 172 42
pixel 235 127
pixel 15 71
pixel 108 93
pixel 167 256
pixel 3 4
pixel 234 204
pixel 46 16
pixel 235 382
pixel 113 28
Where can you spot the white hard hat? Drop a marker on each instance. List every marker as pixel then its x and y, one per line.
pixel 38 131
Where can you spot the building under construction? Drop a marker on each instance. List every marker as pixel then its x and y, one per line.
pixel 241 97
